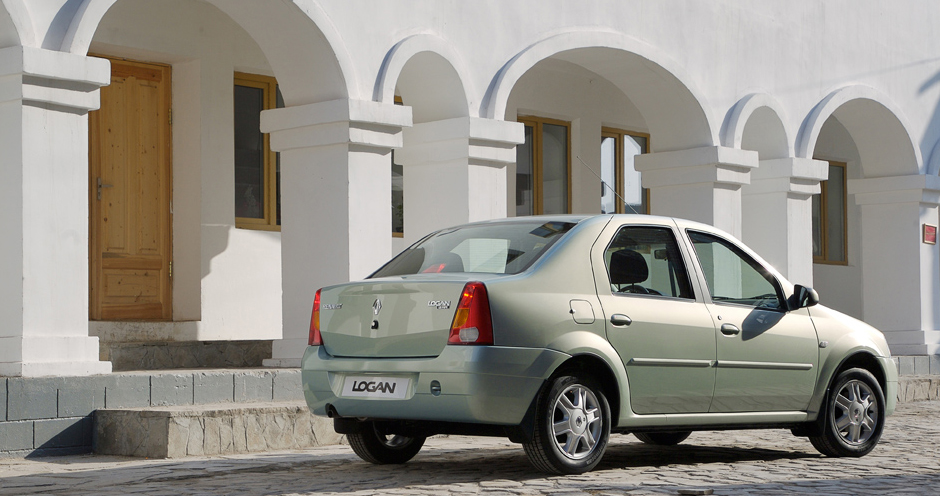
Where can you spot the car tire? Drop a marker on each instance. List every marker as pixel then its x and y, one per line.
pixel 663 438
pixel 854 416
pixel 376 447
pixel 572 426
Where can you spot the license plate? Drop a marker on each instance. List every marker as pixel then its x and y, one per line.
pixel 376 387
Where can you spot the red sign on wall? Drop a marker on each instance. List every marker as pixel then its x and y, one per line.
pixel 930 234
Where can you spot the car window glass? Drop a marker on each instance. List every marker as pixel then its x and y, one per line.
pixel 495 248
pixel 732 275
pixel 647 260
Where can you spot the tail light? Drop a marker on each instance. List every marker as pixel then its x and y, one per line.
pixel 315 339
pixel 472 323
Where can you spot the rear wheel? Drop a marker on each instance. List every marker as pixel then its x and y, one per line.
pixel 662 438
pixel 854 415
pixel 375 446
pixel 572 427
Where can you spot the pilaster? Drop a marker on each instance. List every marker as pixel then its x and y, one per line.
pixel 900 273
pixel 701 184
pixel 335 201
pixel 44 98
pixel 455 172
pixel 777 214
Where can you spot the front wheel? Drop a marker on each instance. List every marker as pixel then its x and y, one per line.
pixel 854 415
pixel 572 427
pixel 375 446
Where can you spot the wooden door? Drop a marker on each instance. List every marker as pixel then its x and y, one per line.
pixel 129 195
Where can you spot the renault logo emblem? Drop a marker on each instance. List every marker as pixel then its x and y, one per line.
pixel 376 306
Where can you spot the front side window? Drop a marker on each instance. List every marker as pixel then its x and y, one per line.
pixel 498 248
pixel 543 168
pixel 647 260
pixel 829 232
pixel 257 168
pixel 733 276
pixel 621 189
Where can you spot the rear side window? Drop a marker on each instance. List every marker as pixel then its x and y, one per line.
pixel 646 260
pixel 499 248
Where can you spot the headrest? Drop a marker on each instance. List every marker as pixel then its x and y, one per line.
pixel 628 267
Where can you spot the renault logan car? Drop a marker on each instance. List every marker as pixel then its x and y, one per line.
pixel 558 331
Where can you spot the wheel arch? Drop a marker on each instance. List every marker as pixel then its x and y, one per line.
pixel 860 357
pixel 597 368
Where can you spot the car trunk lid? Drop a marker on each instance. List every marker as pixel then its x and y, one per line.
pixel 393 318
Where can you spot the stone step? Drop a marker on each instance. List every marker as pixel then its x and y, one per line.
pixel 196 430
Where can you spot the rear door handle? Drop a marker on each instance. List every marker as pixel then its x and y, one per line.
pixel 729 329
pixel 620 320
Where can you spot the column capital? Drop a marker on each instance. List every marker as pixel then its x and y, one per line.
pixel 361 123
pixel 798 177
pixel 52 79
pixel 477 141
pixel 708 164
pixel 915 188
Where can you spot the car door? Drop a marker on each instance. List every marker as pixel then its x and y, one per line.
pixel 767 357
pixel 663 334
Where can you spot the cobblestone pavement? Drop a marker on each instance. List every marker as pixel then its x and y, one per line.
pixel 907 461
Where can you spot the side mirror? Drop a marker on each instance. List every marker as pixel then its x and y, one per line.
pixel 802 297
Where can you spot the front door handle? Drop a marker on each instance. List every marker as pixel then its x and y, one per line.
pixel 729 329
pixel 620 320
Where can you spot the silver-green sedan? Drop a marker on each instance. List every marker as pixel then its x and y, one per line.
pixel 558 331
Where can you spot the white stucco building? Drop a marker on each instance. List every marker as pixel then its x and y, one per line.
pixel 166 216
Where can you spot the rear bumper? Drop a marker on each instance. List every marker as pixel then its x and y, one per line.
pixel 478 384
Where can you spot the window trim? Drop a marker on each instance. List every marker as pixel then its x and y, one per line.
pixel 824 218
pixel 269 223
pixel 536 123
pixel 618 134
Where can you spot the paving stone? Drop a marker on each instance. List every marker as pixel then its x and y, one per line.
pixel 63 433
pixel 16 436
pixel 906 365
pixel 76 402
pixel 213 387
pixel 934 364
pixel 171 389
pixel 31 398
pixel 921 365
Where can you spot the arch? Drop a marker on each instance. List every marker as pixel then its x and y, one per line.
pixel 658 87
pixel 405 51
pixel 273 25
pixel 876 124
pixel 16 25
pixel 758 108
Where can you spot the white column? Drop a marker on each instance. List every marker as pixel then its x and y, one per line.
pixel 44 100
pixel 900 273
pixel 455 172
pixel 336 197
pixel 700 184
pixel 777 214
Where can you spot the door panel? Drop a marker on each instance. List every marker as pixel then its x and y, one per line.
pixel 663 334
pixel 129 195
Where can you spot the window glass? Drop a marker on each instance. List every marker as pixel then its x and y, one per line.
pixel 554 169
pixel 621 188
pixel 733 276
pixel 496 248
pixel 525 169
pixel 398 197
pixel 647 260
pixel 608 174
pixel 249 153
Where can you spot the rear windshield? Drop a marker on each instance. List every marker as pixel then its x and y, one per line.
pixel 500 248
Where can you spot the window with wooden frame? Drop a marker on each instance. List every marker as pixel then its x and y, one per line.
pixel 257 168
pixel 543 167
pixel 621 189
pixel 829 218
pixel 398 192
